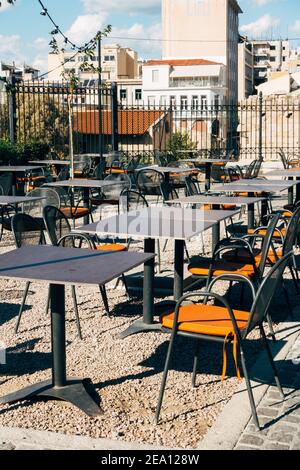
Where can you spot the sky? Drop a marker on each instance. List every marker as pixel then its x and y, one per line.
pixel 24 33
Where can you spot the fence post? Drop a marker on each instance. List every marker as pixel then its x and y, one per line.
pixel 12 108
pixel 260 130
pixel 114 118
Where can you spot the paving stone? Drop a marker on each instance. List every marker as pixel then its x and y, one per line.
pixel 285 427
pixel 6 446
pixel 252 440
pixel 252 429
pixel 245 448
pixel 276 446
pixel 291 419
pixel 296 446
pixel 267 412
pixel 281 437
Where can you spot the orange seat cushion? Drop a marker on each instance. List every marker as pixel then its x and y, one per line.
pixel 111 247
pixel 201 267
pixel 264 231
pixel 242 256
pixel 74 212
pixel 228 207
pixel 206 320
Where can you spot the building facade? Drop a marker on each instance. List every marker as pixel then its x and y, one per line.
pixel 245 71
pixel 269 56
pixel 116 63
pixel 206 29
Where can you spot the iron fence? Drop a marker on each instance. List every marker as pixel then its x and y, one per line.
pixel 45 111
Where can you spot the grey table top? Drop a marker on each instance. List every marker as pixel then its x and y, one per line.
pixel 285 172
pixel 167 169
pixel 217 200
pixel 6 200
pixel 263 182
pixel 253 188
pixel 51 162
pixel 58 265
pixel 21 168
pixel 82 183
pixel 158 222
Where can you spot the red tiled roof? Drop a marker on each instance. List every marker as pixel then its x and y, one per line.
pixel 130 122
pixel 182 62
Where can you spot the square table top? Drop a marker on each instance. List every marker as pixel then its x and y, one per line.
pixel 217 200
pixel 263 182
pixel 7 200
pixel 168 169
pixel 158 222
pixel 51 162
pixel 285 172
pixel 254 188
pixel 21 168
pixel 59 265
pixel 83 183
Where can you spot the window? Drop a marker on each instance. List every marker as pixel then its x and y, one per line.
pixel 183 103
pixel 109 58
pixel 272 59
pixel 217 101
pixel 272 48
pixel 203 101
pixel 163 100
pixel 123 94
pixel 195 103
pixel 138 94
pixel 173 101
pixel 155 76
pixel 283 59
pixel 151 100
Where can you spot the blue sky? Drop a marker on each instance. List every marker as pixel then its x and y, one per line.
pixel 24 33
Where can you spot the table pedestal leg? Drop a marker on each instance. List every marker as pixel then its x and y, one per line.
pixel 298 190
pixel 86 203
pixel 251 216
pixel 147 322
pixel 178 269
pixel 291 192
pixel 72 390
pixel 264 212
pixel 207 176
pixel 215 235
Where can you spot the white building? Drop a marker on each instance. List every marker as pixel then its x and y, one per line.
pixel 269 56
pixel 206 29
pixel 188 84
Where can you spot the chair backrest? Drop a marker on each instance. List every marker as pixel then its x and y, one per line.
pixel 134 162
pixel 149 181
pixel 56 223
pixel 76 240
pixel 99 170
pixel 292 232
pixel 132 200
pixel 64 174
pixel 120 181
pixel 266 292
pixel 192 186
pixel 283 159
pixel 267 243
pixel 256 168
pixel 35 208
pixel 6 181
pixel 27 230
pixel 83 164
pixel 168 191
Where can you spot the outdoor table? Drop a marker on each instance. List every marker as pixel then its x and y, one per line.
pixel 289 173
pixel 208 163
pixel 255 186
pixel 52 162
pixel 85 185
pixel 60 266
pixel 18 169
pixel 15 200
pixel 153 223
pixel 217 201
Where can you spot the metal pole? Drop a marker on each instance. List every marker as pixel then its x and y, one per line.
pixel 100 96
pixel 58 335
pixel 12 108
pixel 114 118
pixel 260 130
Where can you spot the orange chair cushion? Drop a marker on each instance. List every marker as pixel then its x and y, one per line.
pixel 228 207
pixel 206 320
pixel 264 231
pixel 74 212
pixel 111 247
pixel 242 256
pixel 201 268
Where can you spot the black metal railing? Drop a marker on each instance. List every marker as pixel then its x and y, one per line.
pixel 46 112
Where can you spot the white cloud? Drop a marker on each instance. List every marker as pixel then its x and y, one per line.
pixel 295 28
pixel 129 6
pixel 10 48
pixel 85 27
pixel 260 3
pixel 261 26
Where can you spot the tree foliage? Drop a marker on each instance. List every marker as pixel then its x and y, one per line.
pixel 181 141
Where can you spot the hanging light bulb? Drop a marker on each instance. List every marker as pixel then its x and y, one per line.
pixel 44 12
pixel 55 31
pixel 66 40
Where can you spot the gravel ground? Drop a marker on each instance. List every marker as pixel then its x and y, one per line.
pixel 126 373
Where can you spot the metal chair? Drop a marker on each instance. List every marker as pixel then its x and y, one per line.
pixel 6 214
pixel 202 322
pixel 35 208
pixel 26 231
pixel 110 195
pixel 6 183
pixel 149 182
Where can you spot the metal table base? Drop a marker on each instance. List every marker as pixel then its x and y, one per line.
pixel 60 387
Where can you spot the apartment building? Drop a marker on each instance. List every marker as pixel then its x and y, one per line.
pixel 206 30
pixel 269 56
pixel 245 71
pixel 185 83
pixel 116 63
